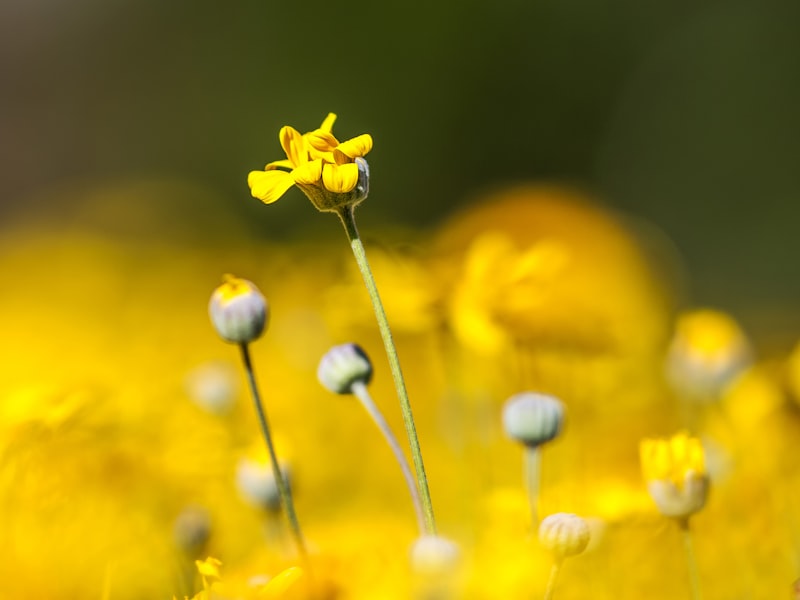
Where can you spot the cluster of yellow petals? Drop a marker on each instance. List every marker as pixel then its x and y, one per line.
pixel 313 159
pixel 672 459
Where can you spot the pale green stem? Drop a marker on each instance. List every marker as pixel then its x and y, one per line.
pixel 283 487
pixel 691 560
pixel 551 582
pixel 348 220
pixel 361 392
pixel 532 474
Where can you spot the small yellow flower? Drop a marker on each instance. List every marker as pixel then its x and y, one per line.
pixel 675 473
pixel 331 173
pixel 209 571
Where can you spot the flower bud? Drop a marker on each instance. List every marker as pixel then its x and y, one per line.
pixel 434 556
pixel 256 483
pixel 564 534
pixel 342 366
pixel 239 312
pixel 532 418
pixel 191 529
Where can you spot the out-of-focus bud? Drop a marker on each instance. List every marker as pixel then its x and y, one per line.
pixel 256 483
pixel 533 418
pixel 191 530
pixel 342 366
pixel 213 386
pixel 239 312
pixel 434 556
pixel 564 535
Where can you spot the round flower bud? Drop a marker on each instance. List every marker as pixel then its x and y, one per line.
pixel 191 529
pixel 342 366
pixel 256 483
pixel 532 418
pixel 434 556
pixel 239 312
pixel 564 534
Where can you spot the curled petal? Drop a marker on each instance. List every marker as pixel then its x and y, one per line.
pixel 279 164
pixel 323 141
pixel 269 186
pixel 340 178
pixel 294 144
pixel 308 173
pixel 327 124
pixel 358 146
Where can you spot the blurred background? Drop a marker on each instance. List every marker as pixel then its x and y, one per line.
pixel 681 114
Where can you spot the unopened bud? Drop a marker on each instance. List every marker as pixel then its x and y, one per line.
pixel 533 418
pixel 342 366
pixel 239 312
pixel 564 535
pixel 257 485
pixel 434 556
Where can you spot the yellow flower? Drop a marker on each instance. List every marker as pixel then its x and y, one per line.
pixel 708 351
pixel 675 473
pixel 330 173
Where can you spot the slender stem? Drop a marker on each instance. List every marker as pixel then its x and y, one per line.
pixel 691 560
pixel 532 470
pixel 551 582
pixel 348 221
pixel 283 487
pixel 361 392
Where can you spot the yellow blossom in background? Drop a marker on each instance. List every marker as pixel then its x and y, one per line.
pixel 675 472
pixel 330 173
pixel 708 350
pixel 126 413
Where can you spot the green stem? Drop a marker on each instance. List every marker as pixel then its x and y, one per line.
pixel 551 582
pixel 348 221
pixel 532 474
pixel 283 487
pixel 691 560
pixel 361 392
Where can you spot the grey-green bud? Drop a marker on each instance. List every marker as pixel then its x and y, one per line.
pixel 342 366
pixel 238 311
pixel 533 418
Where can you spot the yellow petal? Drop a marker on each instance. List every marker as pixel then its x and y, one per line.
pixel 208 567
pixel 340 178
pixel 358 146
pixel 308 173
pixel 279 164
pixel 279 585
pixel 324 141
pixel 327 124
pixel 268 186
pixel 294 144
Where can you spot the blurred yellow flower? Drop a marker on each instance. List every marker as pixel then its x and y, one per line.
pixel 708 350
pixel 330 173
pixel 675 472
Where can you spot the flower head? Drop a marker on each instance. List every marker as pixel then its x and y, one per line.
pixel 707 352
pixel 238 311
pixel 675 473
pixel 342 366
pixel 330 173
pixel 532 418
pixel 564 534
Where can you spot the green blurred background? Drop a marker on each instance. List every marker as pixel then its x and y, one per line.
pixel 681 113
